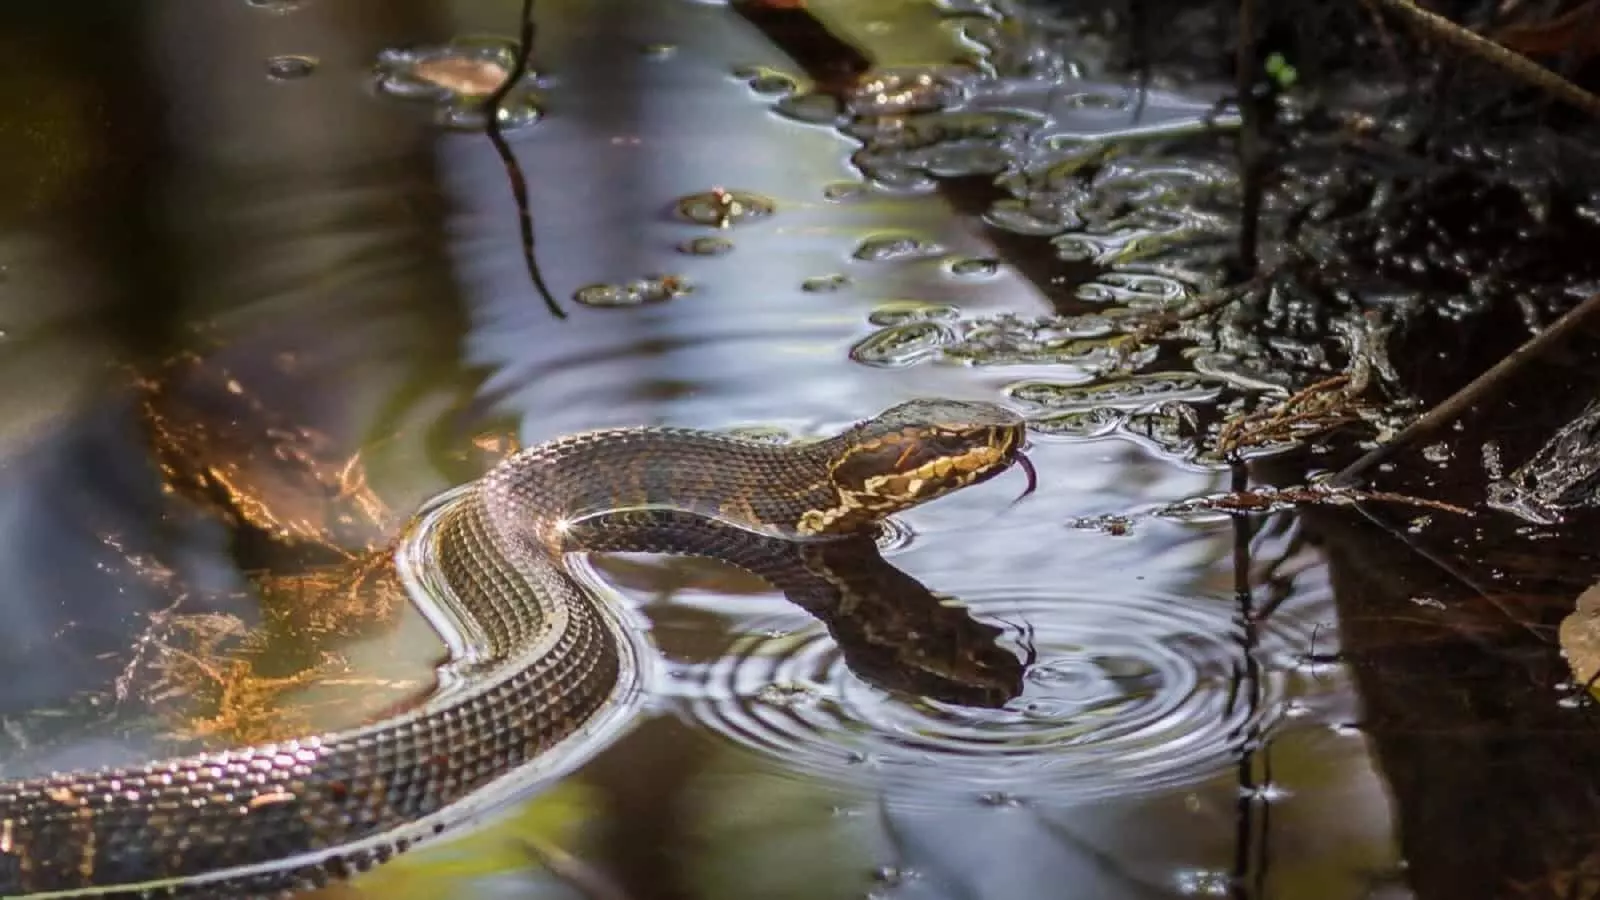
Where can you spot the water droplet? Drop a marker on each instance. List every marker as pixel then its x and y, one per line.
pixel 721 208
pixel 289 68
pixel 825 284
pixel 706 246
pixel 975 267
pixel 656 289
pixel 887 248
pixel 1437 453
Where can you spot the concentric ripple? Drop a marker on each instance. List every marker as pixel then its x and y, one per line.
pixel 1125 695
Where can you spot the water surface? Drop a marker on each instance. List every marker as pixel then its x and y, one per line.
pixel 308 274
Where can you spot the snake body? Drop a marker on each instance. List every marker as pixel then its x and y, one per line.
pixel 545 658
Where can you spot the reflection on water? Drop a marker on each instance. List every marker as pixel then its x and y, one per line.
pixel 1113 716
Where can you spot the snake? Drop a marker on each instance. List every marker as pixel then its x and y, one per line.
pixel 543 656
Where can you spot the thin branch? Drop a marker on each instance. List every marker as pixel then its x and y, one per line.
pixel 1508 61
pixel 1458 403
pixel 519 184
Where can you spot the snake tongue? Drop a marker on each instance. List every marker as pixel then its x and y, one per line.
pixel 1033 475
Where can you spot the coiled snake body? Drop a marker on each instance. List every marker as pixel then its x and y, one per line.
pixel 545 658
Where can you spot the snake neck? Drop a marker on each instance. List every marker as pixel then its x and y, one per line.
pixel 543 492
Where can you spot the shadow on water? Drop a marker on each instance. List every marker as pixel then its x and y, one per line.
pixel 258 308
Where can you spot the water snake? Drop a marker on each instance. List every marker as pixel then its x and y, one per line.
pixel 543 661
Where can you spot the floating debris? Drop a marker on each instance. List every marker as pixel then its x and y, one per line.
pixel 1111 523
pixel 459 77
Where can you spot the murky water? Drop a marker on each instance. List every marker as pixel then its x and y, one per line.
pixel 310 211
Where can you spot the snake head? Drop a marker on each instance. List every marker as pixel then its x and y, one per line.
pixel 912 453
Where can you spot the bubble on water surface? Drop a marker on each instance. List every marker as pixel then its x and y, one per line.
pixel 769 82
pixel 289 68
pixel 974 267
pixel 892 247
pixel 722 208
pixel 657 289
pixel 1127 695
pixel 825 284
pixel 706 246
pixel 901 345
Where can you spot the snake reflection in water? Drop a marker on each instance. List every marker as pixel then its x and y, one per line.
pixel 543 657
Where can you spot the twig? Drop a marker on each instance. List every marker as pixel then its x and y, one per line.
pixel 519 184
pixel 1458 403
pixel 1506 60
pixel 1307 411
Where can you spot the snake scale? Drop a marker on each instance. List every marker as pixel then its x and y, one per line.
pixel 546 659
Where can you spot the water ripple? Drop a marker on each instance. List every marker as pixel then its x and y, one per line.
pixel 1125 695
